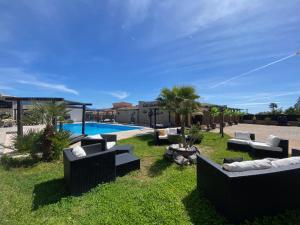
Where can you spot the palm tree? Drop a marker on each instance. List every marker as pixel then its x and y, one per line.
pixel 214 112
pixel 273 106
pixel 48 114
pixel 180 100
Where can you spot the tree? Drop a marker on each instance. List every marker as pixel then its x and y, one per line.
pixel 214 112
pixel 180 100
pixel 273 106
pixel 297 105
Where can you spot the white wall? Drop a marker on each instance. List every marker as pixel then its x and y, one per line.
pixel 76 115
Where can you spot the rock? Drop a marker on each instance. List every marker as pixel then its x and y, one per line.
pixel 193 158
pixel 180 160
pixel 168 154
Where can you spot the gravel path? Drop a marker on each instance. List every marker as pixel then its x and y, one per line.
pixel 262 132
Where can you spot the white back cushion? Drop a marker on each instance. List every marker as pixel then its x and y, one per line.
pixel 273 141
pixel 242 135
pixel 78 151
pixel 286 162
pixel 172 131
pixel 248 165
pixel 96 136
pixel 110 144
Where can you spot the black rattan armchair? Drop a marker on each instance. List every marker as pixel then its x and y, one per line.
pixel 81 174
pixel 106 138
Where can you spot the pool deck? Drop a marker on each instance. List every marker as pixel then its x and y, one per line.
pixel 7 134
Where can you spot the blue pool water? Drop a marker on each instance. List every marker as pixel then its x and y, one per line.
pixel 97 128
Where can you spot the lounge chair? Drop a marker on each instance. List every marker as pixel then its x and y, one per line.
pixel 244 195
pixel 97 166
pixel 241 141
pixel 273 147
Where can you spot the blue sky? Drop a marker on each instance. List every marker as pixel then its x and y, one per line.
pixel 107 51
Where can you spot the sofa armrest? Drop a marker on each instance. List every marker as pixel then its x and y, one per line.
pixel 284 144
pixel 91 141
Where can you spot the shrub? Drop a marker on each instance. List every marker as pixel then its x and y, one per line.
pixel 30 142
pixel 196 135
pixel 46 141
pixel 175 139
pixel 9 162
pixel 60 140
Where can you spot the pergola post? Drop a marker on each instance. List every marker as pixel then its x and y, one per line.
pixel 19 117
pixel 155 110
pixel 83 119
pixel 98 116
pixel 222 121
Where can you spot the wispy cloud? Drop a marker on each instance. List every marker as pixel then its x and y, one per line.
pixel 252 71
pixel 119 94
pixel 51 86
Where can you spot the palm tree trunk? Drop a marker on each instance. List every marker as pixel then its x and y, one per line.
pixel 182 130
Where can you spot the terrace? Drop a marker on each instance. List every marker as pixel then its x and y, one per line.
pixel 135 198
pixel 157 191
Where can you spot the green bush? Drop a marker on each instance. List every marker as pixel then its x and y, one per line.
pixel 196 135
pixel 9 162
pixel 49 143
pixel 60 141
pixel 175 139
pixel 30 142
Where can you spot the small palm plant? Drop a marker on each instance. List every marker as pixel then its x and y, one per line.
pixel 48 114
pixel 214 112
pixel 228 113
pixel 181 100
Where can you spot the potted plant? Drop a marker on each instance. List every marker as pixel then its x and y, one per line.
pixel 180 100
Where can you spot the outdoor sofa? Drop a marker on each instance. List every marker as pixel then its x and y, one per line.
pixel 273 147
pixel 98 166
pixel 161 135
pixel 244 195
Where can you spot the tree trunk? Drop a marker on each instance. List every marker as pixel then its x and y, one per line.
pixel 182 130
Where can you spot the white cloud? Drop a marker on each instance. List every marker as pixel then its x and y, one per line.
pixel 119 94
pixel 56 87
pixel 175 19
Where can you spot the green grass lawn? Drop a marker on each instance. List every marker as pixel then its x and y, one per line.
pixel 160 193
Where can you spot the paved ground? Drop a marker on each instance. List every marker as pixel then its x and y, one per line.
pixel 7 133
pixel 262 132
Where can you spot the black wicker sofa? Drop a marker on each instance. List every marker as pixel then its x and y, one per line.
pixel 98 166
pixel 244 195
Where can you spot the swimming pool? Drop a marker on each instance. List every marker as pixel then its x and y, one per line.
pixel 98 128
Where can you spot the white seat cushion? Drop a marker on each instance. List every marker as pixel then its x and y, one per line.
pixel 248 165
pixel 239 141
pixel 172 131
pixel 78 151
pixel 110 144
pixel 96 136
pixel 242 135
pixel 285 162
pixel 264 146
pixel 163 136
pixel 273 141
